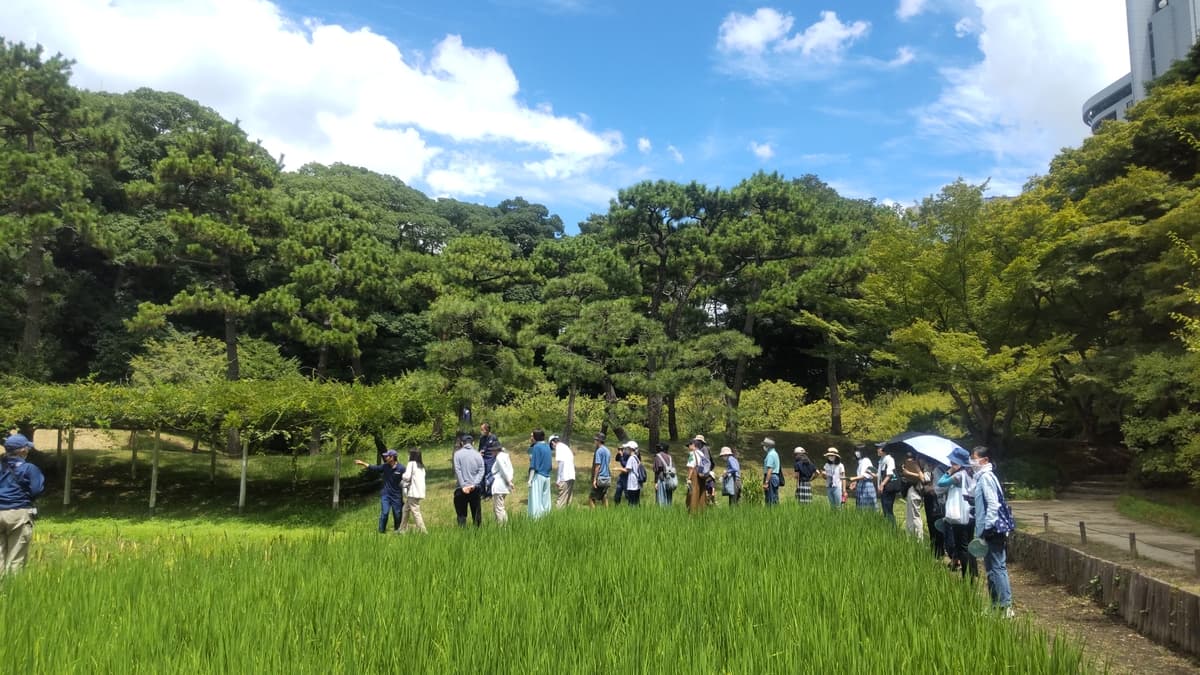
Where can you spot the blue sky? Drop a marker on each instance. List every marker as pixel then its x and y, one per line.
pixel 566 101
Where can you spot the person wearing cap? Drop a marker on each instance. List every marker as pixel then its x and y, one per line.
pixel 731 481
pixel 699 467
pixel 540 460
pixel 958 523
pixel 835 474
pixel 989 496
pixel 805 470
pixel 629 471
pixel 501 483
pixel 863 483
pixel 601 472
pixel 20 484
pixel 468 477
pixel 414 492
pixel 391 498
pixel 770 472
pixel 564 459
pixel 887 489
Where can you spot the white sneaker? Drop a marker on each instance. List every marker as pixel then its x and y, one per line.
pixel 1009 613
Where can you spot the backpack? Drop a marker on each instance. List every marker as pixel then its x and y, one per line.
pixel 1004 518
pixel 669 476
pixel 641 473
pixel 703 464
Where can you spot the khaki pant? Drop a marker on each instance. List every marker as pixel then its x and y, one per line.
pixel 498 508
pixel 16 531
pixel 912 514
pixel 696 495
pixel 565 489
pixel 412 509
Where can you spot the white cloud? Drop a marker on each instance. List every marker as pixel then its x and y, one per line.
pixel 1021 103
pixel 643 145
pixel 321 92
pixel 965 26
pixel 762 151
pixel 910 8
pixel 762 45
pixel 904 56
pixel 675 154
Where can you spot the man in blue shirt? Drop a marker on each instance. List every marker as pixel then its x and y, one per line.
pixel 601 472
pixel 20 483
pixel 392 497
pixel 540 460
pixel 770 472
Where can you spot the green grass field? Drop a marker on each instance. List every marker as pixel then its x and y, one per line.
pixel 1174 509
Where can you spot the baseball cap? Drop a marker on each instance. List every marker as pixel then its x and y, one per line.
pixel 391 453
pixel 17 442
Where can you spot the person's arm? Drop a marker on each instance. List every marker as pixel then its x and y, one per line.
pixel 770 470
pixel 36 482
pixel 991 502
pixel 595 471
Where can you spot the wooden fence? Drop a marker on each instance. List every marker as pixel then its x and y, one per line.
pixel 1156 609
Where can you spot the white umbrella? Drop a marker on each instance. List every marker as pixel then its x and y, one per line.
pixel 928 445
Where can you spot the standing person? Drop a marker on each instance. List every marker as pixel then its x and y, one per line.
pixel 489 445
pixel 770 483
pixel 601 472
pixel 960 525
pixel 414 488
pixel 391 498
pixel 805 470
pixel 835 474
pixel 20 484
pixel 564 459
pixel 501 483
pixel 934 507
pixel 699 469
pixel 635 474
pixel 468 476
pixel 540 458
pixel 731 482
pixel 888 488
pixel 863 483
pixel 911 479
pixel 989 498
pixel 665 478
pixel 622 478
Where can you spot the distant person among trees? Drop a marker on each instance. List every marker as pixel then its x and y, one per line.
pixel 835 475
pixel 731 481
pixel 414 489
pixel 634 474
pixel 666 480
pixel 489 445
pixel 805 469
pixel 863 482
pixel 888 485
pixel 770 472
pixel 601 472
pixel 992 527
pixel 540 459
pixel 391 498
pixel 564 459
pixel 501 480
pixel 20 484
pixel 469 477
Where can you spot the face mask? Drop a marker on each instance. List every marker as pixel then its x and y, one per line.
pixel 857 454
pixel 975 464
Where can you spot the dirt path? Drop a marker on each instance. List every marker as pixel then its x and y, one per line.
pixel 1106 526
pixel 1105 637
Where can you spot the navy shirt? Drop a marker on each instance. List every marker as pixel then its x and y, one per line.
pixel 391 478
pixel 20 483
pixel 539 458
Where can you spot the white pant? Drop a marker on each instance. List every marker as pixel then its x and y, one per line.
pixel 498 508
pixel 912 514
pixel 412 507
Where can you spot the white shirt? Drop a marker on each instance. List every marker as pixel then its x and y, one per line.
pixel 502 474
pixel 887 466
pixel 631 482
pixel 414 481
pixel 566 462
pixel 863 465
pixel 834 473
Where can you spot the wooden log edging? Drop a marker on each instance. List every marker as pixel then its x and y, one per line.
pixel 1162 612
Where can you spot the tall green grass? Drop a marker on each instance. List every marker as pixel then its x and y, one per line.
pixel 621 590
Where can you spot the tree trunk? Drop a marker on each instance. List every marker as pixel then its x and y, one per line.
pixel 212 463
pixel 337 473
pixel 233 371
pixel 569 426
pixel 70 466
pixel 610 411
pixel 734 398
pixel 58 445
pixel 356 366
pixel 835 397
pixel 195 444
pixel 154 470
pixel 242 483
pixel 672 419
pixel 133 455
pixel 28 356
pixel 314 438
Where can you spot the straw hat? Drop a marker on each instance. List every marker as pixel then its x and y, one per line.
pixel 700 439
pixel 726 452
pixel 833 452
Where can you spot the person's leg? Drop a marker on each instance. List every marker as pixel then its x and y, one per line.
pixel 18 533
pixel 634 497
pixel 460 506
pixel 414 505
pixel 889 505
pixel 385 505
pixel 397 511
pixel 546 494
pixel 475 502
pixel 498 508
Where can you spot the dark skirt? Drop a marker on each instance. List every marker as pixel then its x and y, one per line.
pixel 804 491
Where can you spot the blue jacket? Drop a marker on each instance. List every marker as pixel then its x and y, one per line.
pixel 391 479
pixel 539 458
pixel 20 483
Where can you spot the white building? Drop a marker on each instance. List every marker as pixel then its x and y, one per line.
pixel 1160 33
